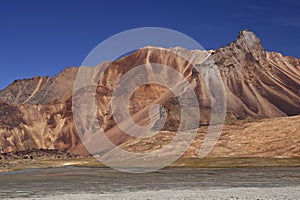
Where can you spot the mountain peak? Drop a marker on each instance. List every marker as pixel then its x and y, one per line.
pixel 248 42
pixel 249 39
pixel 246 32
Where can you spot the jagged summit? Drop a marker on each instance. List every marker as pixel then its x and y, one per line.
pixel 246 34
pixel 246 47
pixel 249 41
pixel 246 42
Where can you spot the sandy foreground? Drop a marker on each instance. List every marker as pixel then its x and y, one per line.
pixel 241 193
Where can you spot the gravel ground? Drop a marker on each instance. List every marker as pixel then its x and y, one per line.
pixel 284 193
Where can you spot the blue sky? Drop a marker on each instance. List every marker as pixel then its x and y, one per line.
pixel 44 37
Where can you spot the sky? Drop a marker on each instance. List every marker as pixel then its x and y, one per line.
pixel 44 37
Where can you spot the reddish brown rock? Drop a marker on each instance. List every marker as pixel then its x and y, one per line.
pixel 37 112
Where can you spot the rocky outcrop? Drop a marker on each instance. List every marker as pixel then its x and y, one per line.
pixel 258 83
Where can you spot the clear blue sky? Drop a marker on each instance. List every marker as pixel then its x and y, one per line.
pixel 44 37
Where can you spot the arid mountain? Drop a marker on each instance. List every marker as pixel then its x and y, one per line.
pixel 259 83
pixel 37 112
pixel 40 90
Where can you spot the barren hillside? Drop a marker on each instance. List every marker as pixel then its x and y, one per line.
pixel 37 112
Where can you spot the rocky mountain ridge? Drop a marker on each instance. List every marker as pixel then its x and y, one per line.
pixel 37 112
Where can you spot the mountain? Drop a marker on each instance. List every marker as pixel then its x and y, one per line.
pixel 262 94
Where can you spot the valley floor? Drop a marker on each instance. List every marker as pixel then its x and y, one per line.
pixel 225 162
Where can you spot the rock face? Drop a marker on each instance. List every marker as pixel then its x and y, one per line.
pixel 258 83
pixel 37 112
